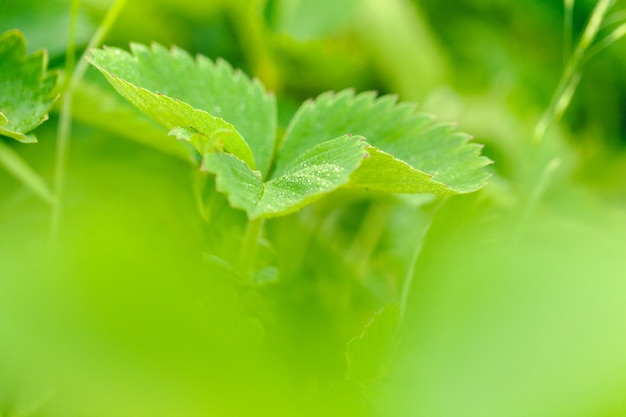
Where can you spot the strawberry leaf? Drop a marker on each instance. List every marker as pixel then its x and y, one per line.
pixel 204 102
pixel 25 88
pixel 96 106
pixel 230 120
pixel 317 171
pixel 410 153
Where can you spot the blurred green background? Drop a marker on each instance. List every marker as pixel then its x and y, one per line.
pixel 517 303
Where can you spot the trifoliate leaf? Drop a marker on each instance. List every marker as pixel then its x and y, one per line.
pixel 25 88
pixel 369 353
pixel 410 152
pixel 204 102
pixel 230 120
pixel 316 171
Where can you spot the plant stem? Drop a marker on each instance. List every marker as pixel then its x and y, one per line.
pixel 617 33
pixel 571 69
pixel 98 37
pixel 247 256
pixel 410 273
pixel 532 201
pixel 248 21
pixel 64 129
pixel 368 236
pixel 568 17
pixel 74 73
pixel 22 171
pixel 585 49
pixel 199 179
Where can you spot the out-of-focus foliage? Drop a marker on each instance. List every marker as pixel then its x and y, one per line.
pixel 511 301
pixel 26 87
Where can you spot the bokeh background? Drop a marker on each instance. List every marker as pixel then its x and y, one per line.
pixel 517 302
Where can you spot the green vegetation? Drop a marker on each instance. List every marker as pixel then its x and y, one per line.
pixel 250 216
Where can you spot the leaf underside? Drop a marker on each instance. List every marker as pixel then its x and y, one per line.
pixel 25 88
pixel 199 100
pixel 96 106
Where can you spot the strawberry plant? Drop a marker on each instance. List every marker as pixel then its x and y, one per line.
pixel 318 153
pixel 241 226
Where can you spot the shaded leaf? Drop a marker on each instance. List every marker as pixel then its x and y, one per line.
pixel 411 154
pixel 25 88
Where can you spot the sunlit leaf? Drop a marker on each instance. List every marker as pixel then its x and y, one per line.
pixel 412 153
pixel 405 152
pixel 205 102
pixel 97 106
pixel 317 171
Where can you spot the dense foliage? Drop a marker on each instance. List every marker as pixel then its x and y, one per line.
pixel 222 218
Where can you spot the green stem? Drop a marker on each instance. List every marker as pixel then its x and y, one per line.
pixel 74 74
pixel 568 17
pixel 23 172
pixel 617 33
pixel 247 256
pixel 199 183
pixel 585 49
pixel 572 67
pixel 369 234
pixel 64 128
pixel 248 21
pixel 410 273
pixel 532 201
pixel 98 37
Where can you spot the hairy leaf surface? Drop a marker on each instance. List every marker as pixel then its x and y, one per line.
pixel 230 120
pixel 318 170
pixel 25 88
pixel 205 102
pixel 411 153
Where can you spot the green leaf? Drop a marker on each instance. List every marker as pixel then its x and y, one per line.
pixel 25 88
pixel 316 171
pixel 230 120
pixel 410 153
pixel 204 102
pixel 369 353
pixel 96 106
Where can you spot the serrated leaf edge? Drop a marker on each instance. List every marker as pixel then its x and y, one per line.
pixel 247 158
pixel 407 111
pixel 41 56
